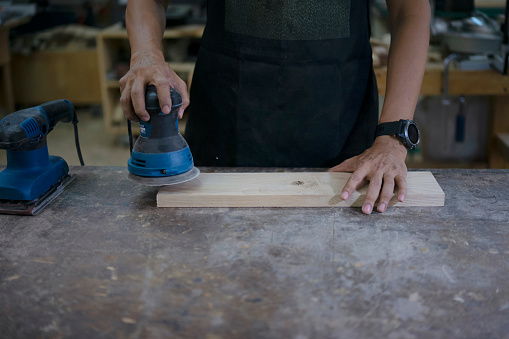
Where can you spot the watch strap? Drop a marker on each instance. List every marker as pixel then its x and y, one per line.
pixel 388 128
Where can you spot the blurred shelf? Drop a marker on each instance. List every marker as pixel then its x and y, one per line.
pixel 112 84
pixel 461 82
pixel 188 31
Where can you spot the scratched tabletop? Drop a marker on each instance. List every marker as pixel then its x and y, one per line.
pixel 102 261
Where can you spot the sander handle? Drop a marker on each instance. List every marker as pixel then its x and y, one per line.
pixel 152 101
pixel 157 117
pixel 27 129
pixel 58 111
pixel 160 124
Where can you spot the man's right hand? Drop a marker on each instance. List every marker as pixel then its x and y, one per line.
pixel 149 68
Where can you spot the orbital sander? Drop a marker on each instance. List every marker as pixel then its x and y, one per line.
pixel 160 155
pixel 33 178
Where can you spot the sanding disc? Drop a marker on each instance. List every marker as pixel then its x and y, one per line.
pixel 165 181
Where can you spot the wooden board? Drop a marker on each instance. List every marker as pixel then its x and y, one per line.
pixel 304 189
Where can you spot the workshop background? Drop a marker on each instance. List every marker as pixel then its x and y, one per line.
pixel 108 258
pixel 77 50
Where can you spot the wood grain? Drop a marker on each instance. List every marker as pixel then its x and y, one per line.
pixel 306 189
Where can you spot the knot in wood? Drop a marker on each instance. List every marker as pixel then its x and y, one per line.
pixel 298 183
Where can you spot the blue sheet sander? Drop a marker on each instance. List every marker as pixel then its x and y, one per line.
pixel 161 155
pixel 32 178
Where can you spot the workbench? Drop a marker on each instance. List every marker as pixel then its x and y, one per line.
pixel 103 261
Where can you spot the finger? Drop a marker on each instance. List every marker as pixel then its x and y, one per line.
pixel 163 95
pixel 402 187
pixel 122 83
pixel 127 107
pixel 375 184
pixel 346 166
pixel 138 100
pixel 182 88
pixel 181 112
pixel 353 182
pixel 386 194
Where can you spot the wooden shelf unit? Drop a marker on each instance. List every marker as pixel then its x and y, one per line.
pixel 112 47
pixel 487 83
pixel 50 75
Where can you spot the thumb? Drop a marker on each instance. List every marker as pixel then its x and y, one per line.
pixel 346 166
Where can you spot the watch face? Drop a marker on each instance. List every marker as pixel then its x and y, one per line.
pixel 413 134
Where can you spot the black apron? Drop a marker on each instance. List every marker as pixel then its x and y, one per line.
pixel 283 83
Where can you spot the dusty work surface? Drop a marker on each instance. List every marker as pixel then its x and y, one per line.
pixel 102 261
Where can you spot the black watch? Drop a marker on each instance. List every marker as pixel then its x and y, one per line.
pixel 405 130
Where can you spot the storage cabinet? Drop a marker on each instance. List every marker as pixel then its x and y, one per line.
pixel 114 52
pixel 56 74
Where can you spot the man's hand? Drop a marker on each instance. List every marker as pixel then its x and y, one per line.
pixel 150 68
pixel 145 21
pixel 384 166
pixel 384 163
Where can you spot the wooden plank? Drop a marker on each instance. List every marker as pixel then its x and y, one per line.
pixel 317 189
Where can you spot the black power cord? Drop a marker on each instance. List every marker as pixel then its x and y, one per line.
pixel 130 134
pixel 76 137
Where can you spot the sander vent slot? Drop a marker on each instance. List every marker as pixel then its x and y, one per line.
pixel 31 127
pixel 139 162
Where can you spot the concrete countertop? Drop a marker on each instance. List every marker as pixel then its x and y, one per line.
pixel 103 261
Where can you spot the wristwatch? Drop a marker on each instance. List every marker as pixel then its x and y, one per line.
pixel 405 130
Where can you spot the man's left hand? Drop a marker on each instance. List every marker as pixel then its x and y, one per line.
pixel 383 165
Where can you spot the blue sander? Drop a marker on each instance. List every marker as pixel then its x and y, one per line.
pixel 160 155
pixel 33 178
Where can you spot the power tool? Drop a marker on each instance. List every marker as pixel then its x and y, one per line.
pixel 33 178
pixel 160 155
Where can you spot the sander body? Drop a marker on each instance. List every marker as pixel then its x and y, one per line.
pixel 161 155
pixel 32 178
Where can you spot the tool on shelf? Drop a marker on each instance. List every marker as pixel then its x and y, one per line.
pixel 161 155
pixel 462 29
pixel 33 178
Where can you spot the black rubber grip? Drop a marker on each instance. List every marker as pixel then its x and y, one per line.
pixel 58 110
pixel 152 102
